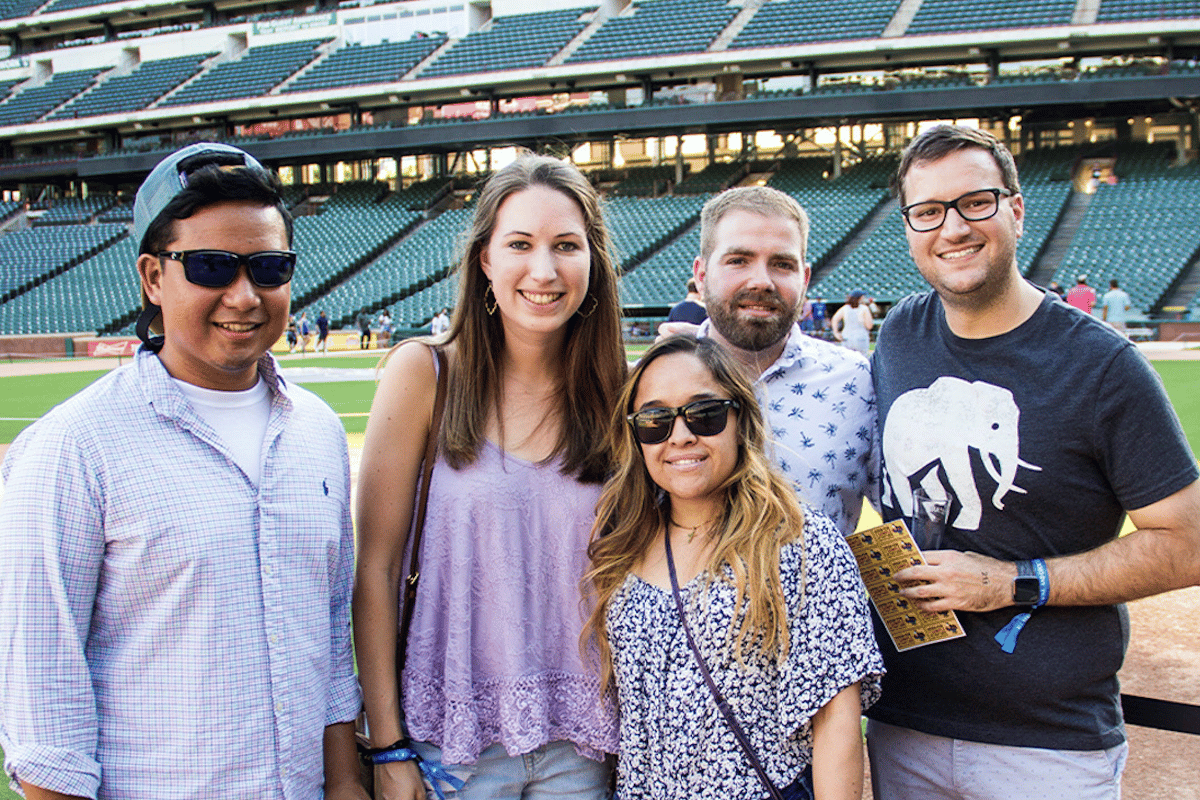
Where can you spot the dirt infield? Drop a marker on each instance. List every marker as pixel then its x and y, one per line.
pixel 1163 662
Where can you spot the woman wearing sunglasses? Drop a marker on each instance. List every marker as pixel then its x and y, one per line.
pixel 493 686
pixel 706 568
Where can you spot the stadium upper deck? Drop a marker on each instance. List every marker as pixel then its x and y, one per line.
pixel 123 74
pixel 82 105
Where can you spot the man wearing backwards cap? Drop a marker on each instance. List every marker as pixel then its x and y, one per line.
pixel 174 588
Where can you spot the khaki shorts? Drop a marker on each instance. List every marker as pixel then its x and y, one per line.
pixel 909 765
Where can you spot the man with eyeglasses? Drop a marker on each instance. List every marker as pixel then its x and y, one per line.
pixel 176 549
pixel 817 397
pixel 1043 428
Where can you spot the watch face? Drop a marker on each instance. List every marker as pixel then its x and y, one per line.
pixel 1026 591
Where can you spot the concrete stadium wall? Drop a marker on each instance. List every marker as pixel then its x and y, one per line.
pixel 1179 332
pixel 47 345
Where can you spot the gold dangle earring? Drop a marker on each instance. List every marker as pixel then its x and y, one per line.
pixel 489 299
pixel 590 311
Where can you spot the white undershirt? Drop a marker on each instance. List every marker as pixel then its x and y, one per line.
pixel 239 418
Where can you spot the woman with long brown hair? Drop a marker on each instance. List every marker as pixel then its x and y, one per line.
pixel 699 539
pixel 493 686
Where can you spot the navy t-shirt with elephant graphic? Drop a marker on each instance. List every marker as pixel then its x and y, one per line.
pixel 1044 435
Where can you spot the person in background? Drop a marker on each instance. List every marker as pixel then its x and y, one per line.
pixel 691 308
pixel 771 593
pixel 305 329
pixel 852 323
pixel 364 330
pixel 1081 295
pixel 293 336
pixel 806 316
pixel 322 333
pixel 819 316
pixel 440 322
pixel 386 326
pixel 493 684
pixel 176 548
pixel 1114 308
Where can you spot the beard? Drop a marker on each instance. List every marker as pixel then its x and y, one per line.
pixel 751 333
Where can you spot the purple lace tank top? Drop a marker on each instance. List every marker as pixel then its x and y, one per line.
pixel 493 652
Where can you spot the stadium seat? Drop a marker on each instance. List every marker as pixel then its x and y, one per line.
pixel 33 255
pixel 358 65
pixel 510 42
pixel 1141 231
pixel 946 16
pixel 789 22
pixel 35 102
pixel 657 28
pixel 254 73
pixel 141 87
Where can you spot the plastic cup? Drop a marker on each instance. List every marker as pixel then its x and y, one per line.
pixel 928 520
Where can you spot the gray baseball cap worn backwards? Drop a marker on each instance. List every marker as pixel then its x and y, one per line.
pixel 164 183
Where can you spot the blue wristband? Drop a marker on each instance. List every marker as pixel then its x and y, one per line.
pixel 1043 576
pixel 1007 637
pixel 431 771
pixel 394 754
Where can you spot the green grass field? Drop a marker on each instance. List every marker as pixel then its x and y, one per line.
pixel 28 397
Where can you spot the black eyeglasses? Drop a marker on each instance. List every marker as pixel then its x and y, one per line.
pixel 976 206
pixel 218 268
pixel 703 418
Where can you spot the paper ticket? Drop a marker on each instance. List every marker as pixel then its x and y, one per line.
pixel 882 552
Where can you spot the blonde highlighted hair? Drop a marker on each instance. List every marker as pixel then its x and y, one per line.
pixel 761 514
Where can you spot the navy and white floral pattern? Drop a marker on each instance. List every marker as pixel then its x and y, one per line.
pixel 674 743
pixel 820 405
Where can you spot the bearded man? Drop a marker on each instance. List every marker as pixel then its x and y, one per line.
pixel 817 397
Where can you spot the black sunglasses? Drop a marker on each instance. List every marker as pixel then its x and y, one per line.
pixel 703 418
pixel 218 268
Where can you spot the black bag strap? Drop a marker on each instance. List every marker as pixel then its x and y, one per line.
pixel 414 566
pixel 722 703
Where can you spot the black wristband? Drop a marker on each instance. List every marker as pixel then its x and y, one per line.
pixel 402 742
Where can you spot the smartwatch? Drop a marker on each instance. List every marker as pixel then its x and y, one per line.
pixel 1027 586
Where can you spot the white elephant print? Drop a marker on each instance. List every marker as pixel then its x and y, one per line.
pixel 938 426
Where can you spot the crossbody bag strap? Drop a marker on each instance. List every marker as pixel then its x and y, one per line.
pixel 722 703
pixel 414 566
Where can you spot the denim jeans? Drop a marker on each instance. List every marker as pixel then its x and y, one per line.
pixel 553 771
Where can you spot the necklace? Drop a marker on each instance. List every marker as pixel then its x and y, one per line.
pixel 691 529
